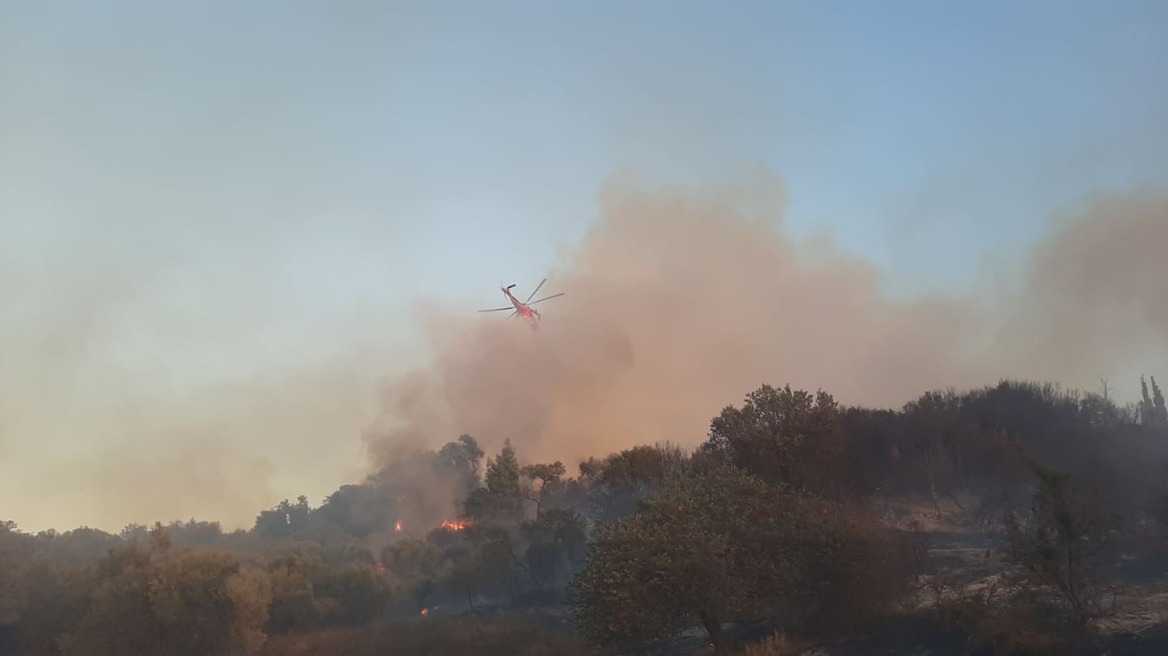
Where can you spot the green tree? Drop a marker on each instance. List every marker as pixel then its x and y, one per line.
pixel 727 546
pixel 293 572
pixel 119 619
pixel 1152 409
pixel 294 606
pixel 1158 403
pixel 249 591
pixel 415 565
pixel 284 521
pixel 204 604
pixel 80 546
pixel 936 438
pixel 547 476
pixel 353 595
pixel 557 544
pixel 172 603
pixel 355 511
pixel 462 457
pixel 784 436
pixel 875 462
pixel 501 499
pixel 16 560
pixel 57 597
pixel 468 574
pixel 614 485
pixel 503 472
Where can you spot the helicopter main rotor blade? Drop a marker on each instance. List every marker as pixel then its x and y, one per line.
pixel 497 309
pixel 546 298
pixel 530 296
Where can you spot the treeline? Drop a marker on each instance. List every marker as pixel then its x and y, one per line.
pixel 771 522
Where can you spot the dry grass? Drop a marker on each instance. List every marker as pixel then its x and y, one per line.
pixel 778 644
pixel 1137 608
pixel 1018 631
pixel 495 637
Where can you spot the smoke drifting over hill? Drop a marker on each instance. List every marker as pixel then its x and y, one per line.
pixel 677 304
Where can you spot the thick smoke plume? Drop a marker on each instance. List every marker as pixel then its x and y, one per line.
pixel 678 304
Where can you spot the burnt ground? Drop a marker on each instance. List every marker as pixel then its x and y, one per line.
pixel 962 562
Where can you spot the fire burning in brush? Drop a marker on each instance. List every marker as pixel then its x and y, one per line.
pixel 454 525
pixel 397 527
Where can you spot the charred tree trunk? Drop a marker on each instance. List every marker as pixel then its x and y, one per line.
pixel 953 498
pixel 933 492
pixel 717 636
pixel 519 563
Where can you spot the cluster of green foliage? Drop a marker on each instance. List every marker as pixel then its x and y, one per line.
pixel 726 546
pixel 138 600
pixel 769 522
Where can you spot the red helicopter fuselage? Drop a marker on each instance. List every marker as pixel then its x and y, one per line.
pixel 523 309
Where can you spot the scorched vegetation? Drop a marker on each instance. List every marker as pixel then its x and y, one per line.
pixel 1008 520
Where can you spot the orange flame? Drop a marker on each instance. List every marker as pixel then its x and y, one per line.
pixel 454 525
pixel 425 612
pixel 397 527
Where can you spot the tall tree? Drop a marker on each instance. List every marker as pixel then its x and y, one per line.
pixel 785 436
pixel 1152 409
pixel 501 499
pixel 462 457
pixel 616 484
pixel 936 439
pixel 503 472
pixel 545 475
pixel 285 520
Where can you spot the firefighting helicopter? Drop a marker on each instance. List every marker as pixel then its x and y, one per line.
pixel 523 309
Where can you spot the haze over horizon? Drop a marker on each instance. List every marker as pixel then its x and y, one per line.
pixel 227 233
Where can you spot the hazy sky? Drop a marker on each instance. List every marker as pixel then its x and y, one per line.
pixel 210 212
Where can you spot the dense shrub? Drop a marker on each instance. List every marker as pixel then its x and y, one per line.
pixel 725 546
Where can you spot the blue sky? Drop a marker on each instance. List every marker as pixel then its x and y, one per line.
pixel 460 142
pixel 282 171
